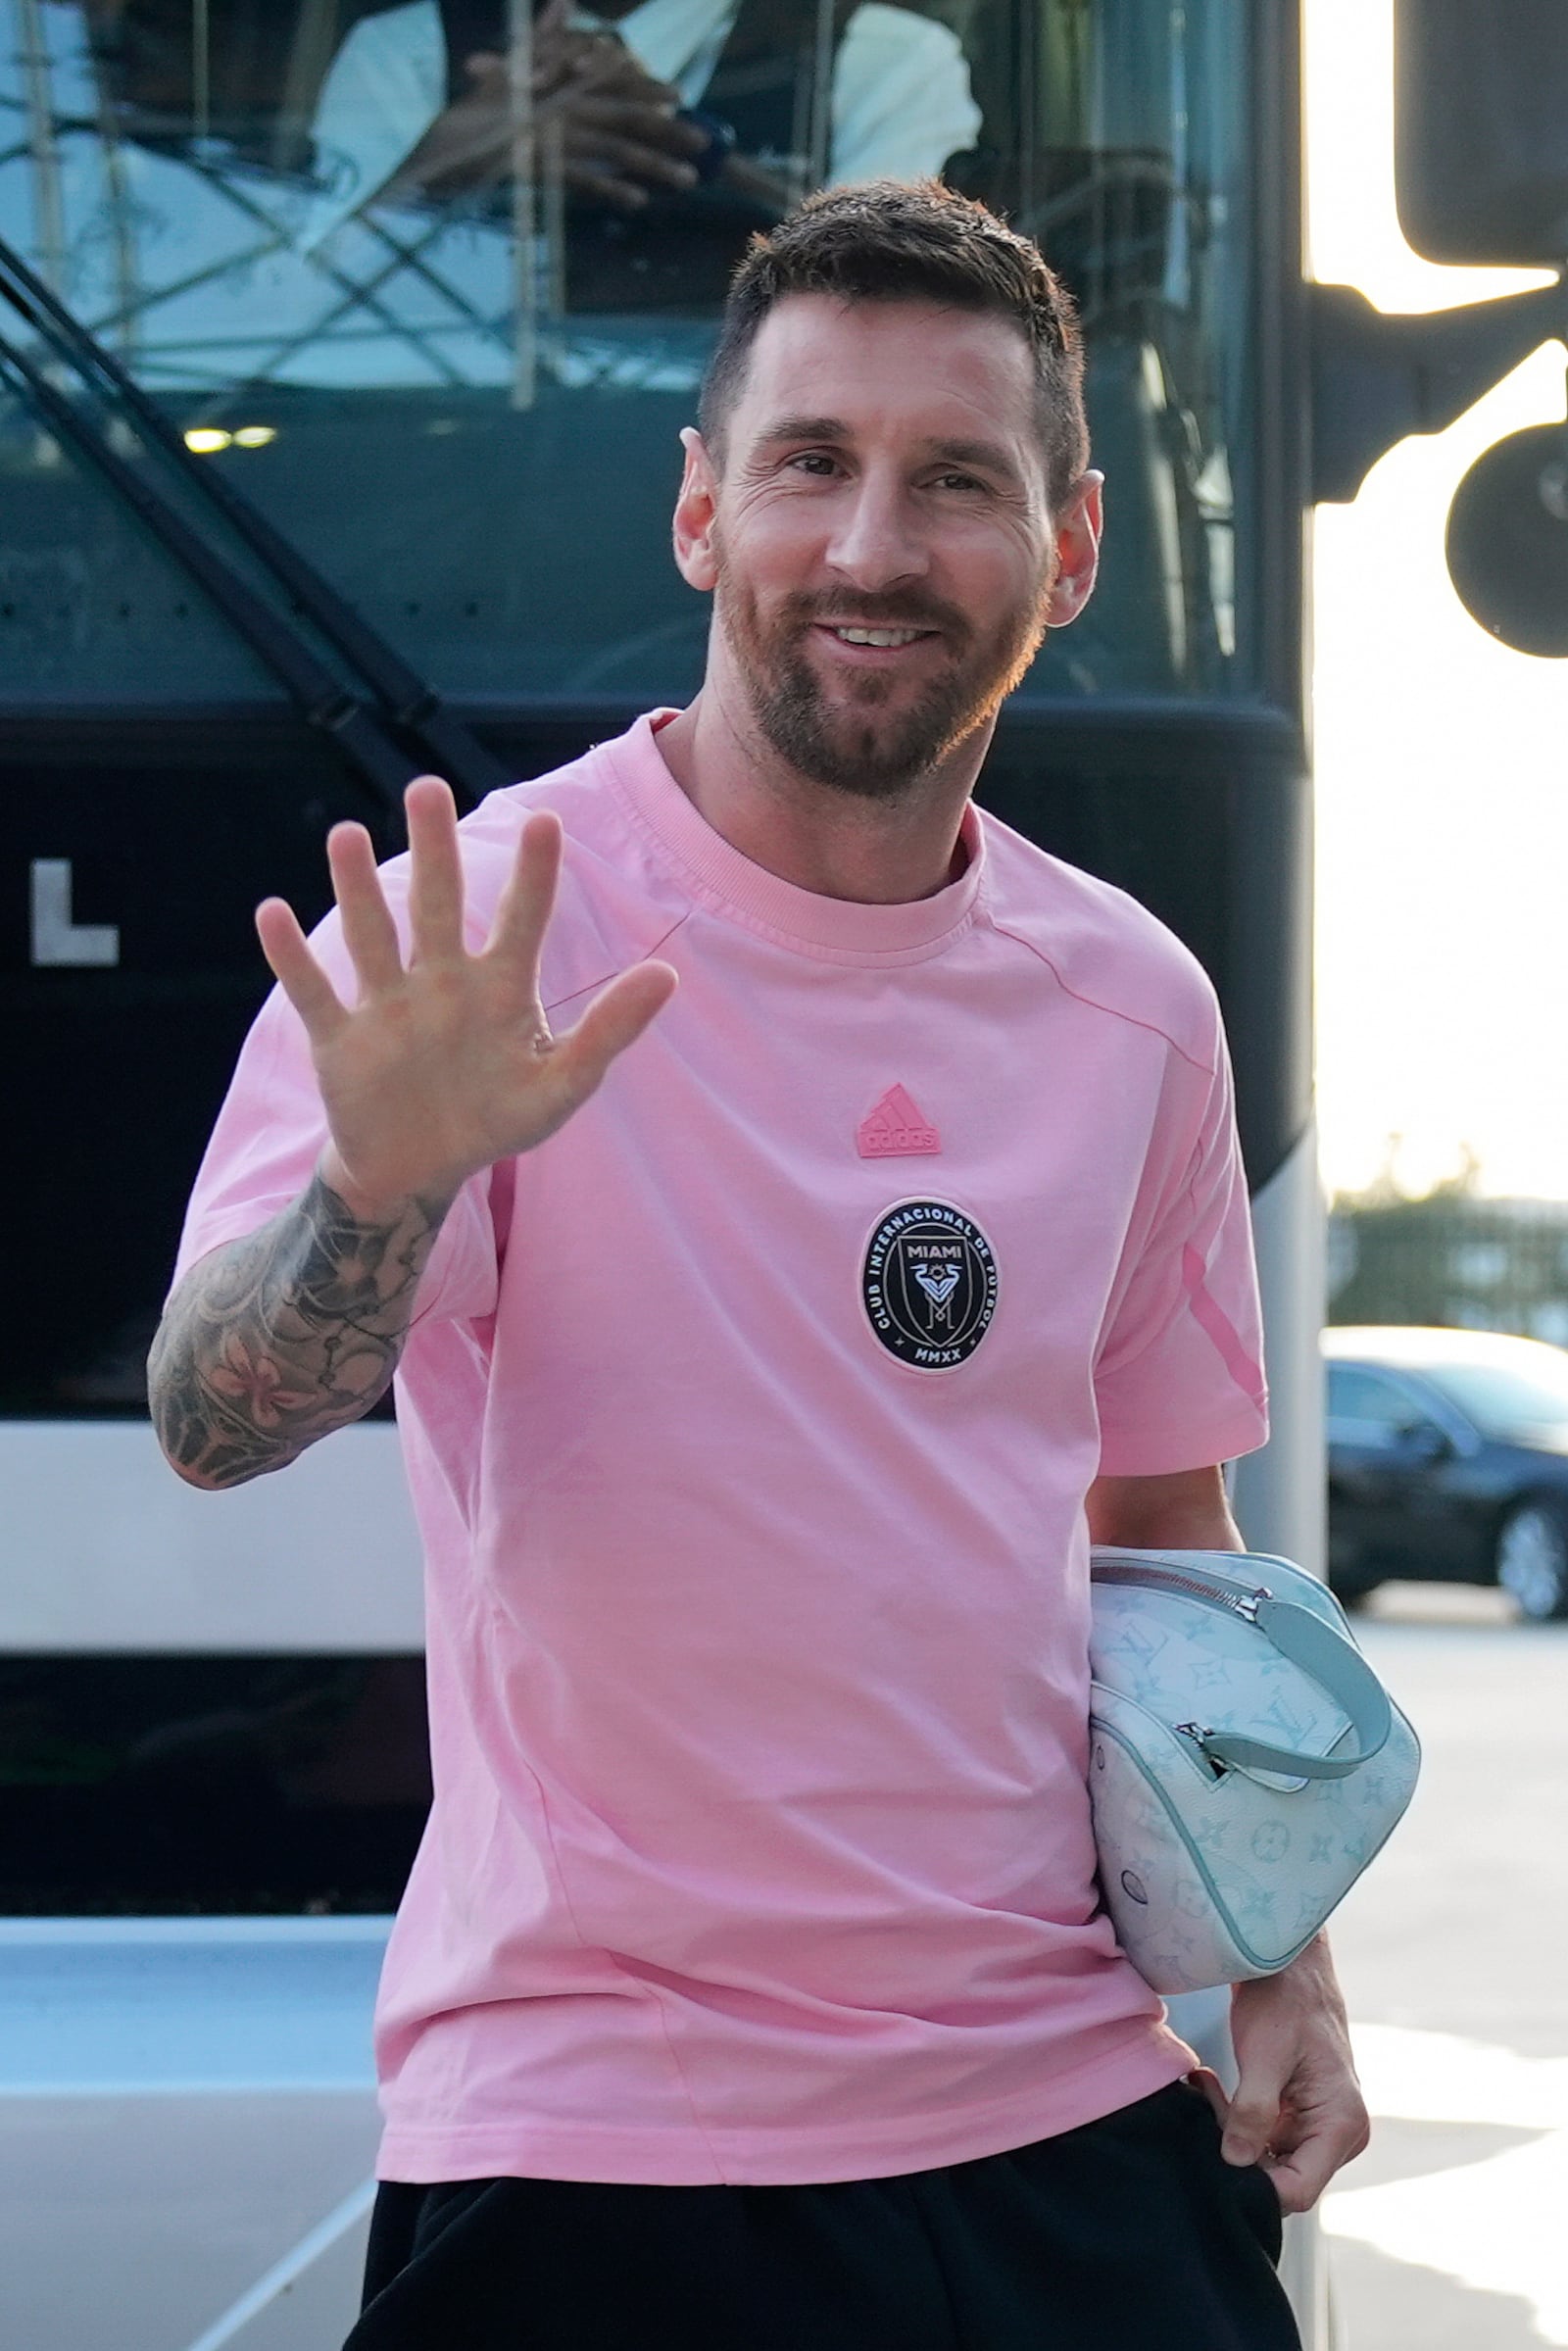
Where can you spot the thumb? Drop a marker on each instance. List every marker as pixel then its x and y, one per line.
pixel 1254 2114
pixel 616 1018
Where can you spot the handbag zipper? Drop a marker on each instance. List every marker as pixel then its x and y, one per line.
pixel 1214 1596
pixel 1168 1579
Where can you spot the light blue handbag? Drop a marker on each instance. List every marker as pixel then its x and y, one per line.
pixel 1246 1763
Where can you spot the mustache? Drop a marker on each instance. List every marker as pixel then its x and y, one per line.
pixel 894 608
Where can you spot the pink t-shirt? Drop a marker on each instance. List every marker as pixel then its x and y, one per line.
pixel 749 1423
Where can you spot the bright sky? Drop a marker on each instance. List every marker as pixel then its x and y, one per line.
pixel 1442 756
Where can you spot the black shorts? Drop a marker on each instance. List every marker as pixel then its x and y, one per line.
pixel 1130 2235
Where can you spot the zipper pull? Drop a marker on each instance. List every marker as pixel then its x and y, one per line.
pixel 1196 1734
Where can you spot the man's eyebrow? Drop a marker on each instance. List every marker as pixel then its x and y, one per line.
pixel 993 455
pixel 990 455
pixel 804 428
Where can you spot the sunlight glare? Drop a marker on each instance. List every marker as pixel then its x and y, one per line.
pixel 1441 783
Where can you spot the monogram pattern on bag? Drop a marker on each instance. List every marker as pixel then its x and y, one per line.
pixel 1238 1873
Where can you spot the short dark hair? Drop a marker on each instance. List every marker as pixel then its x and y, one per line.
pixel 891 240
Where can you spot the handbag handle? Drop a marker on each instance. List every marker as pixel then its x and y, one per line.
pixel 1337 1666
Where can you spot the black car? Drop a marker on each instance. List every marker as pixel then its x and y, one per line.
pixel 1448 1462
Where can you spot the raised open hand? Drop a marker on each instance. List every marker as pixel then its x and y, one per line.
pixel 447 1063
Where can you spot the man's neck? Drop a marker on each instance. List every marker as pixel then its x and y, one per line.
pixel 835 844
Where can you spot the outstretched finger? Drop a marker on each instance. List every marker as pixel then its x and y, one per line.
pixel 368 931
pixel 297 971
pixel 435 882
pixel 522 914
pixel 616 1018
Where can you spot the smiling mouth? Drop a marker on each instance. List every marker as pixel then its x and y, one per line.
pixel 890 637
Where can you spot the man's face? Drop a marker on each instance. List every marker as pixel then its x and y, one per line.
pixel 882 477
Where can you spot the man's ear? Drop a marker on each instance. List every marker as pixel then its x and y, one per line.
pixel 1078 528
pixel 696 512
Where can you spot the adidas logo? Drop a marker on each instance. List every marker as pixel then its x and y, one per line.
pixel 895 1130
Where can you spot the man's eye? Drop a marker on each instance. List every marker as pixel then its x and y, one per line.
pixel 959 481
pixel 816 461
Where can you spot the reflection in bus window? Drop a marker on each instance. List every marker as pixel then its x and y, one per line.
pixel 658 96
pixel 437 282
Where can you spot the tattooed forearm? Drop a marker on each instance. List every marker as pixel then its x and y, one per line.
pixel 280 1338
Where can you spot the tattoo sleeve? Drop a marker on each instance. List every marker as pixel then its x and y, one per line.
pixel 283 1337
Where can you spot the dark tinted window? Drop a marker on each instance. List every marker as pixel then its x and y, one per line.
pixel 209 1785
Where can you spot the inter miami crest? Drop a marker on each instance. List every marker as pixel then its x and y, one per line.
pixel 929 1284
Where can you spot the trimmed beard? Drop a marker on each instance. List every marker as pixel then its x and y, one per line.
pixel 845 748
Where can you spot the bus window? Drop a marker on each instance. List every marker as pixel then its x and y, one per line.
pixel 441 308
pixel 210 1783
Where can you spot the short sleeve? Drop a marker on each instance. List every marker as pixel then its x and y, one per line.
pixel 902 102
pixel 263 1151
pixel 383 89
pixel 1179 1378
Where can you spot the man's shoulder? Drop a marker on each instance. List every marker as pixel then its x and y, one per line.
pixel 579 793
pixel 613 902
pixel 1104 947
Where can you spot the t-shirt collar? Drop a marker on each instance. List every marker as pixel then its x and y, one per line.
pixel 797 917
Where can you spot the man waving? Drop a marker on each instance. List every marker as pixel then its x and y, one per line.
pixel 769 1345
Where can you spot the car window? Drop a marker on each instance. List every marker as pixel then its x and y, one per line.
pixel 1504 1398
pixel 1380 1408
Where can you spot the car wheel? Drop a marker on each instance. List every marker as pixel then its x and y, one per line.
pixel 1350 1577
pixel 1350 1580
pixel 1532 1560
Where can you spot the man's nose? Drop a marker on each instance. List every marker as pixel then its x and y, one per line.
pixel 876 540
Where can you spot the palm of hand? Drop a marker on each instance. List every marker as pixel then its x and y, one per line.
pixel 446 1063
pixel 448 1074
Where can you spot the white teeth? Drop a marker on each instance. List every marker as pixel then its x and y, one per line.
pixel 878 636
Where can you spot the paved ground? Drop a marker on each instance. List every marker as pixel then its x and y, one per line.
pixel 1452 2232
